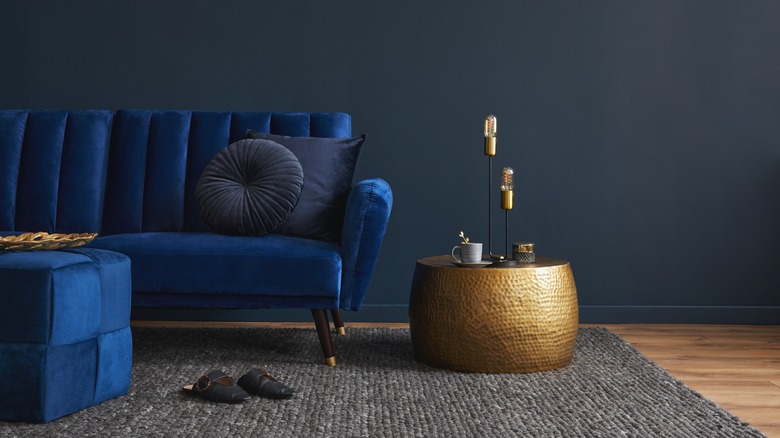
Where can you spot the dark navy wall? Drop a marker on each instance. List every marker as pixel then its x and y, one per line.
pixel 645 134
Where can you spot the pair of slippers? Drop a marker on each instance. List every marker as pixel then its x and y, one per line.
pixel 219 387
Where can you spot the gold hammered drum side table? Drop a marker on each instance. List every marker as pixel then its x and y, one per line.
pixel 512 320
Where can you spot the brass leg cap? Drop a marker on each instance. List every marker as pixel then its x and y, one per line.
pixel 330 361
pixel 341 330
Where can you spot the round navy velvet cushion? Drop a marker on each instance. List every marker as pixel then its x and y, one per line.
pixel 249 188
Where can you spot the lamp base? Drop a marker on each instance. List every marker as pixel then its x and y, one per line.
pixel 504 264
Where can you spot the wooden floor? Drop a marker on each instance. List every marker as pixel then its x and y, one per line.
pixel 736 366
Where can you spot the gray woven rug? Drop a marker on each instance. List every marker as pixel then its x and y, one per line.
pixel 379 390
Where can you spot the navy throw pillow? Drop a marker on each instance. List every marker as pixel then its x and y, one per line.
pixel 329 167
pixel 249 188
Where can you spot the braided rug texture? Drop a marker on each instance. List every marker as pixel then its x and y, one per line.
pixel 379 390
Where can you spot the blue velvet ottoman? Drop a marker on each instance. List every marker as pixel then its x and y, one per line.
pixel 65 341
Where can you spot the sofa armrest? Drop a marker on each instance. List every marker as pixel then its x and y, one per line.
pixel 365 221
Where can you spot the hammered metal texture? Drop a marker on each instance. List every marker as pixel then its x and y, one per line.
pixel 514 320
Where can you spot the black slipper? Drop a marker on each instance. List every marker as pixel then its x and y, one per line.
pixel 259 382
pixel 217 386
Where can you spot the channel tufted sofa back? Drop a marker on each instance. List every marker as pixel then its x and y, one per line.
pixel 53 170
pixel 157 158
pixel 57 174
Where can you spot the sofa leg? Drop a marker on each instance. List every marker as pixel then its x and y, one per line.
pixel 338 323
pixel 323 331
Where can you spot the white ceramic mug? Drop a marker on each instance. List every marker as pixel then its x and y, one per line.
pixel 469 252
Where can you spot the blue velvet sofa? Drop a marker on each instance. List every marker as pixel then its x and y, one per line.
pixel 131 176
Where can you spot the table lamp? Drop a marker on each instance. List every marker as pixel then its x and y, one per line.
pixel 491 128
pixel 507 202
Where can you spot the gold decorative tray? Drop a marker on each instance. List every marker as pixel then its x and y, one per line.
pixel 44 241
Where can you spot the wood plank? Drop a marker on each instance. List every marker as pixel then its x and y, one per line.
pixel 684 371
pixel 667 341
pixel 718 361
pixel 760 416
pixel 765 355
pixel 748 401
pixel 745 341
pixel 754 392
pixel 699 329
pixel 769 431
pixel 740 400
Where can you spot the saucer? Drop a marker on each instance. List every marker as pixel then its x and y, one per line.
pixel 481 264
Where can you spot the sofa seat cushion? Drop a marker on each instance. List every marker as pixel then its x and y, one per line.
pixel 190 264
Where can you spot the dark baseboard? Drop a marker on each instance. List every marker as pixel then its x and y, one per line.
pixel 399 313
pixel 679 315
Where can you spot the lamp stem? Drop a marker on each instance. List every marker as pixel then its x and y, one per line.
pixel 490 207
pixel 506 235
